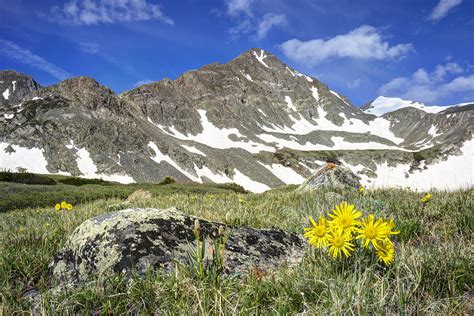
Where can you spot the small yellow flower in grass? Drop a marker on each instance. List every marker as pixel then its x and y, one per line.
pixel 69 207
pixel 57 206
pixel 318 234
pixel 64 204
pixel 385 251
pixel 345 217
pixel 340 243
pixel 371 231
pixel 426 198
pixel 361 190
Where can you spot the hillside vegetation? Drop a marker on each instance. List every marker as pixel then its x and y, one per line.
pixel 432 272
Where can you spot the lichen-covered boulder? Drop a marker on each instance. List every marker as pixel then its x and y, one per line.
pixel 330 176
pixel 140 239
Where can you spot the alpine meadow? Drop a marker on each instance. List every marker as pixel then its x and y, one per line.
pixel 236 157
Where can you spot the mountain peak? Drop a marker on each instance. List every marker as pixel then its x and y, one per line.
pixel 14 86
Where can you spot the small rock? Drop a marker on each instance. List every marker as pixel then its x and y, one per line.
pixel 139 195
pixel 140 239
pixel 330 176
pixel 333 197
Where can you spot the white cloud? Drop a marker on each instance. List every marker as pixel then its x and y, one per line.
pixel 431 87
pixel 142 82
pixel 26 57
pixel 353 84
pixel 269 20
pixel 364 42
pixel 442 9
pixel 241 12
pixel 237 7
pixel 91 12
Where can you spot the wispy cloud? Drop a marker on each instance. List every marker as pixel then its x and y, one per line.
pixel 24 56
pixel 431 87
pixel 364 42
pixel 442 9
pixel 89 47
pixel 241 12
pixel 142 82
pixel 269 20
pixel 237 7
pixel 91 12
pixel 353 84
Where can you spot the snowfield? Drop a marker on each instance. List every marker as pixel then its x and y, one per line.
pixel 383 105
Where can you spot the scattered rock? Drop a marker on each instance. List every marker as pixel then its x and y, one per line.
pixel 139 239
pixel 330 176
pixel 139 195
pixel 333 197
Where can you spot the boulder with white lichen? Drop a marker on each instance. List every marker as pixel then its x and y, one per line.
pixel 141 239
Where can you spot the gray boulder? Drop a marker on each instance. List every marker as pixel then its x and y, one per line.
pixel 330 176
pixel 140 239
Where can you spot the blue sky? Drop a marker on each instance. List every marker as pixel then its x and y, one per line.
pixel 415 49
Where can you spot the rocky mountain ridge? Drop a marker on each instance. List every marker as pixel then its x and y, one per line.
pixel 254 121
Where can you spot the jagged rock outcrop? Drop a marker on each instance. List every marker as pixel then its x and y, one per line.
pixel 330 176
pixel 142 239
pixel 14 87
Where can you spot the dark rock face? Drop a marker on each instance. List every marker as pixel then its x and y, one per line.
pixel 331 176
pixel 141 239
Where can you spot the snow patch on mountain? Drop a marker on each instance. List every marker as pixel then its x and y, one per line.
pixel 456 172
pixel 6 94
pixel 383 105
pixel 215 137
pixel 88 168
pixel 261 57
pixel 315 93
pixel 248 183
pixel 285 174
pixel 434 131
pixel 193 150
pixel 339 144
pixel 289 102
pixel 337 95
pixel 32 159
pixel 247 76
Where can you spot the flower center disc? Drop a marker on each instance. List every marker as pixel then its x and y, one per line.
pixel 338 242
pixel 320 231
pixel 370 233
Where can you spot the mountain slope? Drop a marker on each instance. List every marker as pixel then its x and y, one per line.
pixel 253 121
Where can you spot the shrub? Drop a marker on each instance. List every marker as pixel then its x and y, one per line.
pixel 26 178
pixel 83 181
pixel 167 180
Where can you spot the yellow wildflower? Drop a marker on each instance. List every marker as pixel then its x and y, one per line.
pixel 371 231
pixel 318 234
pixel 385 251
pixel 69 207
pixel 57 206
pixel 340 243
pixel 64 204
pixel 426 198
pixel 345 217
pixel 361 190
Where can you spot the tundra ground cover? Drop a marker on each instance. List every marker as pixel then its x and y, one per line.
pixel 431 273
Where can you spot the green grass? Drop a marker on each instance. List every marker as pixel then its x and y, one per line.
pixel 432 273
